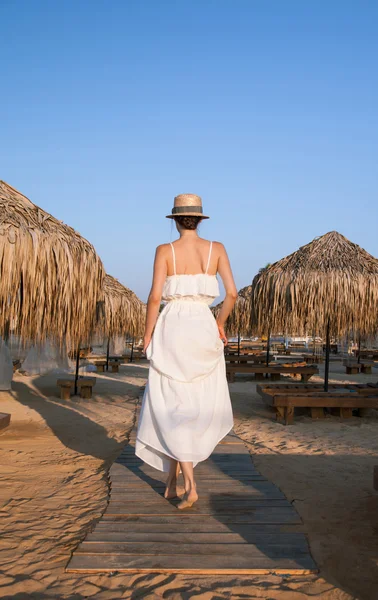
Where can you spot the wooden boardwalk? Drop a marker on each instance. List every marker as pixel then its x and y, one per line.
pixel 242 524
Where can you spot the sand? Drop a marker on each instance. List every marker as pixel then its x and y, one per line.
pixel 53 488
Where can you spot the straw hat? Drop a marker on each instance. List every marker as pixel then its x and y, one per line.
pixel 187 205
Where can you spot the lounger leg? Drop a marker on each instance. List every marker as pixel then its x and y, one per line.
pixel 317 413
pixel 86 392
pixel 305 378
pixel 346 413
pixel 289 415
pixel 280 413
pixel 65 393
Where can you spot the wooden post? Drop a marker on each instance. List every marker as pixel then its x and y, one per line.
pixel 328 348
pixel 77 368
pixel 239 343
pixel 132 350
pixel 107 354
pixel 359 350
pixel 267 349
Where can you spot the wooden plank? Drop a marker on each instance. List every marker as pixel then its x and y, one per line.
pixel 266 514
pixel 206 495
pixel 221 488
pixel 208 466
pixel 272 369
pixel 197 509
pixel 175 549
pixel 179 537
pixel 328 401
pixel 197 564
pixel 189 526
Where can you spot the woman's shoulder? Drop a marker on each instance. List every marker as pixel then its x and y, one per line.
pixel 162 248
pixel 218 246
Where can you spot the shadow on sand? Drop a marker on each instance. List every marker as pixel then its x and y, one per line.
pixel 75 430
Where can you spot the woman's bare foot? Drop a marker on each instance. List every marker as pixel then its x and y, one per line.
pixel 173 490
pixel 188 500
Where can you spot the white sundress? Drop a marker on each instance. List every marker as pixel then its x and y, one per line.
pixel 186 407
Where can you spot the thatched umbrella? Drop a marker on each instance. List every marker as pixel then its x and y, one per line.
pixel 124 312
pixel 330 286
pixel 239 320
pixel 50 276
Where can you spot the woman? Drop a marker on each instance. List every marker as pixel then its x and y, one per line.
pixel 186 407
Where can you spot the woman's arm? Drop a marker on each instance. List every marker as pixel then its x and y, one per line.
pixel 224 270
pixel 154 298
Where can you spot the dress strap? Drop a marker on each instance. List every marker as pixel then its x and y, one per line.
pixel 174 258
pixel 208 260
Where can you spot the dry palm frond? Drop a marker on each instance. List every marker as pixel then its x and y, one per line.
pixel 124 312
pixel 330 279
pixel 50 277
pixel 239 320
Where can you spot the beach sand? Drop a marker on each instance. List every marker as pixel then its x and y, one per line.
pixel 53 488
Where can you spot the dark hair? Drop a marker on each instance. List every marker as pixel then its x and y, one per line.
pixel 188 222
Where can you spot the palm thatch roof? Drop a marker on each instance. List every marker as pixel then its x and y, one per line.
pixel 50 276
pixel 328 279
pixel 124 312
pixel 239 320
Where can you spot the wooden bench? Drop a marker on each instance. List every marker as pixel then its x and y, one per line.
pixel 345 402
pixel 84 384
pixel 4 420
pixel 274 371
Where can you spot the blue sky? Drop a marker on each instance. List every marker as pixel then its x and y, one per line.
pixel 267 109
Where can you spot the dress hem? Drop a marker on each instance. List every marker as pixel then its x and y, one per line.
pixel 168 456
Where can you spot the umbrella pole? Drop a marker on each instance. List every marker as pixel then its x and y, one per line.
pixel 267 349
pixel 77 368
pixel 239 343
pixel 107 354
pixel 359 350
pixel 326 368
pixel 132 350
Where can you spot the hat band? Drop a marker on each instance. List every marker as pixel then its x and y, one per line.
pixel 181 209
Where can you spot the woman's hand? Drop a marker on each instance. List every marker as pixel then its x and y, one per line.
pixel 222 334
pixel 146 343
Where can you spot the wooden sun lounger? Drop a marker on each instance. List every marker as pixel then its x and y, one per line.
pixel 310 359
pixel 353 367
pixel 274 371
pixel 245 358
pixel 373 354
pixel 267 391
pixel 4 420
pixel 318 401
pixel 343 397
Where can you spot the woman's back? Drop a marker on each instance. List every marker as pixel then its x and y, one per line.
pixel 192 257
